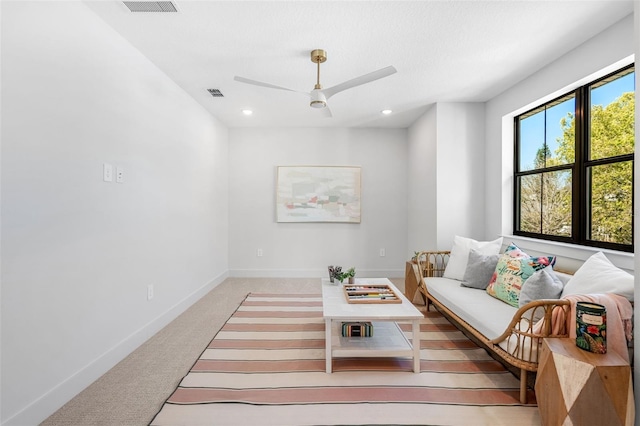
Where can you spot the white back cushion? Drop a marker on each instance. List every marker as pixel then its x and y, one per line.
pixel 459 256
pixel 599 275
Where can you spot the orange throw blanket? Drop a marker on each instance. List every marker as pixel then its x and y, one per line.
pixel 619 320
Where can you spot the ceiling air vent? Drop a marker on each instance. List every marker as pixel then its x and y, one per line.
pixel 150 6
pixel 215 93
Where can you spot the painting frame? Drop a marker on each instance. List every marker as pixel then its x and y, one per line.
pixel 318 194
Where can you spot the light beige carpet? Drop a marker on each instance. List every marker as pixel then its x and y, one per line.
pixel 266 367
pixel 132 392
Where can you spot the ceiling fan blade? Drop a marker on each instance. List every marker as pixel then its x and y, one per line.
pixel 363 79
pixel 260 83
pixel 326 112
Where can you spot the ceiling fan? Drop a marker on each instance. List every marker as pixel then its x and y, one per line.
pixel 320 96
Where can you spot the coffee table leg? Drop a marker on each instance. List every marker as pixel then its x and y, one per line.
pixel 327 343
pixel 415 342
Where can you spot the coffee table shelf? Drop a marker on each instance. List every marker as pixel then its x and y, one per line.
pixel 388 340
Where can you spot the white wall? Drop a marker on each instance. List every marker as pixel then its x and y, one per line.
pixel 422 169
pixel 77 252
pixel 605 52
pixel 446 175
pixel 461 189
pixel 306 249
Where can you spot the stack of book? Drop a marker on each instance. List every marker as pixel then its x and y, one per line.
pixel 357 329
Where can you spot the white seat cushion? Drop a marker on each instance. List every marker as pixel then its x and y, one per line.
pixel 486 314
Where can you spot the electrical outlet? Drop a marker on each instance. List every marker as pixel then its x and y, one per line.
pixel 119 174
pixel 259 252
pixel 383 253
pixel 150 292
pixel 107 172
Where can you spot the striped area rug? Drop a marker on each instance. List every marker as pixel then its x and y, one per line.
pixel 266 366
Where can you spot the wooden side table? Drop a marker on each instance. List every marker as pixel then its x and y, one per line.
pixel 579 387
pixel 410 280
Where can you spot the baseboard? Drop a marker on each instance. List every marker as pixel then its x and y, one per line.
pixel 51 401
pixel 310 273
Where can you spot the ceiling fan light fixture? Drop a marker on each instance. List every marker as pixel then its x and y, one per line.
pixel 318 99
pixel 247 112
pixel 386 111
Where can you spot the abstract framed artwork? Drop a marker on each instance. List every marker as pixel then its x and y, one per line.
pixel 318 194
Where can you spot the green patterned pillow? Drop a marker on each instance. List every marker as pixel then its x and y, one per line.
pixel 513 269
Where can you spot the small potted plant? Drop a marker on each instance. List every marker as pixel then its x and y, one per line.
pixel 351 274
pixel 335 272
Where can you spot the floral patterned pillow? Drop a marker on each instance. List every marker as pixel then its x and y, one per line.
pixel 513 269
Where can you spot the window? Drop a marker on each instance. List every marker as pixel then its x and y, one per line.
pixel 574 165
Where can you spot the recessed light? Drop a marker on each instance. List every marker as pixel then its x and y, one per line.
pixel 247 112
pixel 386 111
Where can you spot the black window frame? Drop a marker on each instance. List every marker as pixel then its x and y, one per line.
pixel 581 207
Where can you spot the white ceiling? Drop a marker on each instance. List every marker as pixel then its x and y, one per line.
pixel 444 51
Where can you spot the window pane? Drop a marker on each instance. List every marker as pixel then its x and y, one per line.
pixel 612 116
pixel 545 203
pixel 531 203
pixel 561 133
pixel 611 202
pixel 556 205
pixel 547 135
pixel 531 140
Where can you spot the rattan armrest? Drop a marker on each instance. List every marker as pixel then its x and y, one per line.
pixel 432 263
pixel 522 338
pixel 529 316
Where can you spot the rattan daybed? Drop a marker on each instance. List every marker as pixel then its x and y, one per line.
pixel 518 345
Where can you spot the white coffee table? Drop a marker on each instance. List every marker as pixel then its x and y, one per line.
pixel 387 340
